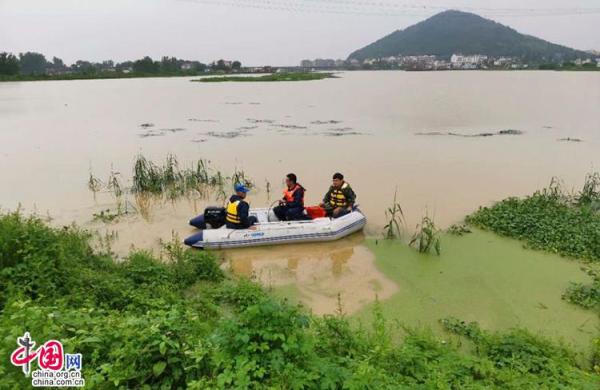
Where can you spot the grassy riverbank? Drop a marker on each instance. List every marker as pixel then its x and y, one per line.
pixel 179 321
pixel 292 76
pixel 98 76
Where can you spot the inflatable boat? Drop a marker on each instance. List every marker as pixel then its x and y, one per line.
pixel 269 230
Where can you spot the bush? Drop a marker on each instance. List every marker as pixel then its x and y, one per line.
pixel 145 323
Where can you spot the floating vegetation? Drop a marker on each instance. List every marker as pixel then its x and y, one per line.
pixel 174 130
pixel 227 134
pixel 585 295
pixel 551 219
pixel 203 120
pixel 426 237
pixel 161 132
pixel 268 121
pixel 152 133
pixel 291 127
pixel 476 135
pixel 329 122
pixel 395 217
pixel 510 132
pixel 569 139
pixel 459 230
pixel 147 125
pixel 341 131
pixel 107 215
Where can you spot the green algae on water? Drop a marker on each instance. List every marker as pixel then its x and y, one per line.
pixel 488 279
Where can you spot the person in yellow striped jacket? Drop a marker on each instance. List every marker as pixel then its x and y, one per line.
pixel 340 198
pixel 237 210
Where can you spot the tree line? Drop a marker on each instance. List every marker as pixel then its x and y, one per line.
pixel 36 64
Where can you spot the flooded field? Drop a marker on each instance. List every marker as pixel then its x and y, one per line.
pixel 447 141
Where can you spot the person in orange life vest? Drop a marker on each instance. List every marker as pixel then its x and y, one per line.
pixel 340 198
pixel 237 210
pixel 291 207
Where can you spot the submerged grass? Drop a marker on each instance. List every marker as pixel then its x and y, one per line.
pixel 204 330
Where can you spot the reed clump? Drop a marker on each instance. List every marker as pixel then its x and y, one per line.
pixel 426 237
pixel 169 180
pixel 395 217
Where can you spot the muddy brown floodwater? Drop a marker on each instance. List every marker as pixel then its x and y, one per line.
pixel 383 130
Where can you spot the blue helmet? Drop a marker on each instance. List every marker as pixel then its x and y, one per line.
pixel 239 187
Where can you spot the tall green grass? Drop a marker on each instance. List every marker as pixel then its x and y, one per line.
pixel 179 322
pixel 395 218
pixel 427 237
pixel 170 180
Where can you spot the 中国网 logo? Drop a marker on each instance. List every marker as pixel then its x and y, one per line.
pixel 56 368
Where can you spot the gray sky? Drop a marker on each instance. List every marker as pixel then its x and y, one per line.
pixel 259 32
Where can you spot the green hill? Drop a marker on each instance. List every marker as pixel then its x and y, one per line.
pixel 452 32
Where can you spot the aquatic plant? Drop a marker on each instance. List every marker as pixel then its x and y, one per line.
pixel 395 218
pixel 551 219
pixel 590 193
pixel 426 237
pixel 94 184
pixel 458 230
pixel 203 329
pixel 114 184
pixel 107 216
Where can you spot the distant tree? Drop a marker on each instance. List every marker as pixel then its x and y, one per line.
pixel 146 65
pixel 85 67
pixel 124 65
pixel 198 66
pixel 220 65
pixel 33 63
pixel 236 65
pixel 169 65
pixel 108 64
pixel 57 63
pixel 9 64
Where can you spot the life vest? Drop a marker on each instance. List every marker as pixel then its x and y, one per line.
pixel 288 195
pixel 232 213
pixel 337 197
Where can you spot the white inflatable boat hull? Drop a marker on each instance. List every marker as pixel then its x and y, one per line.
pixel 286 232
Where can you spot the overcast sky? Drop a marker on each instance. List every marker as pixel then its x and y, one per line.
pixel 260 32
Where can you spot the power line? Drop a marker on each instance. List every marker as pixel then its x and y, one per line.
pixel 387 8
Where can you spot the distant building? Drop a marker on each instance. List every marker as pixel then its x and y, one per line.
pixel 324 63
pixel 307 64
pixel 474 61
pixel 187 66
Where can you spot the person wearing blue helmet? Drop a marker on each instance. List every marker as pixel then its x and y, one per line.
pixel 237 210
